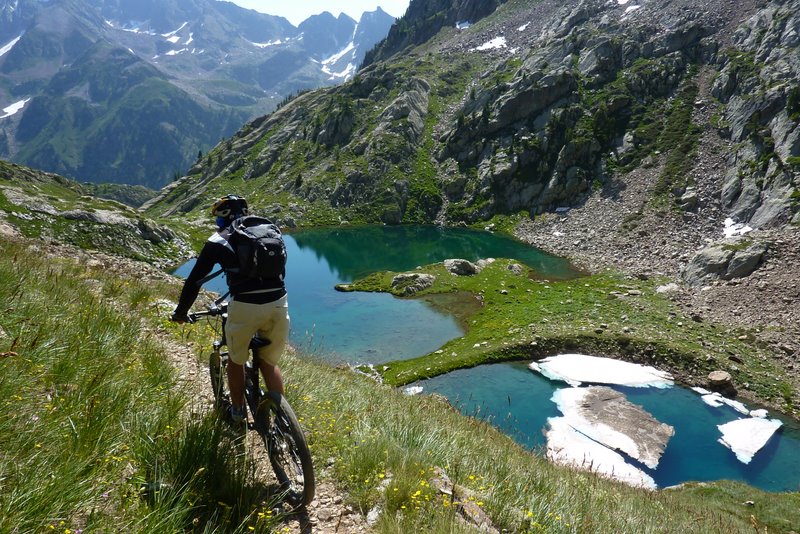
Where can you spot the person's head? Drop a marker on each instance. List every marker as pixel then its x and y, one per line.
pixel 228 208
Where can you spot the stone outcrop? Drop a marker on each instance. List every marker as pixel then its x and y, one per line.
pixel 412 283
pixel 733 258
pixel 460 267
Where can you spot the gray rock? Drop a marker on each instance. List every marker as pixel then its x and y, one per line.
pixel 412 283
pixel 732 258
pixel 460 267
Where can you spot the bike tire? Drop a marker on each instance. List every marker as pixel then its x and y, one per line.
pixel 252 388
pixel 287 448
pixel 219 383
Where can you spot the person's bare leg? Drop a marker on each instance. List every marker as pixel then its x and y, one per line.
pixel 236 384
pixel 272 376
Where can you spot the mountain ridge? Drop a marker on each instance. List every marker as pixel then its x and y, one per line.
pixel 234 63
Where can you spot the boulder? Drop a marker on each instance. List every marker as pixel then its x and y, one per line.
pixel 732 258
pixel 412 283
pixel 722 382
pixel 460 267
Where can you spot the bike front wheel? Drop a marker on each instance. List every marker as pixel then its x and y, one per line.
pixel 219 382
pixel 287 448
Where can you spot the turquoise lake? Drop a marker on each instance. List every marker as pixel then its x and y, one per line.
pixel 517 401
pixel 376 328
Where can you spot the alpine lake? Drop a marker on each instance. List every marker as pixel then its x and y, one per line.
pixel 375 328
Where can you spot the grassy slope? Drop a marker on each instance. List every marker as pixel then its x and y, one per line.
pixel 93 428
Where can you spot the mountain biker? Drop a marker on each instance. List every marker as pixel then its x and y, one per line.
pixel 257 307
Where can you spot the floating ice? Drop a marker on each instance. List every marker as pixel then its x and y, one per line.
pixel 716 400
pixel 577 368
pixel 567 446
pixel 745 437
pixel 607 417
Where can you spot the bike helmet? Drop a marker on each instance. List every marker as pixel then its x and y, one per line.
pixel 229 207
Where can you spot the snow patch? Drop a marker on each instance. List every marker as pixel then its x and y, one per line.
pixel 733 228
pixel 190 39
pixel 463 25
pixel 577 368
pixel 631 9
pixel 497 42
pixel 348 71
pixel 745 437
pixel 8 46
pixel 412 390
pixel 523 27
pixel 567 446
pixel 14 108
pixel 176 52
pixel 265 45
pixel 174 39
pixel 170 34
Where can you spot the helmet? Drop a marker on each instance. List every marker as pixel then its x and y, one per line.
pixel 229 207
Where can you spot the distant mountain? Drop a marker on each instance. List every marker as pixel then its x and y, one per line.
pixel 133 91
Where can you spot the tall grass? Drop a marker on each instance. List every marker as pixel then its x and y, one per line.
pixel 92 437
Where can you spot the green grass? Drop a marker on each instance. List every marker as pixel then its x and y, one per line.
pixel 93 438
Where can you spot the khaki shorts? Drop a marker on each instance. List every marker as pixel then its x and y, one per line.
pixel 270 321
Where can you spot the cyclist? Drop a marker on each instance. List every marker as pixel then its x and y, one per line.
pixel 257 307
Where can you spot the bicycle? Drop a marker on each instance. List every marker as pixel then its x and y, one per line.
pixel 273 418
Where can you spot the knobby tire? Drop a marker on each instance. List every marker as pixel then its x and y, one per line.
pixel 288 450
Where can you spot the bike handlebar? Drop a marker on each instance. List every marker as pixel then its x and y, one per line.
pixel 212 311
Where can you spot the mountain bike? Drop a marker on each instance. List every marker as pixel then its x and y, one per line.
pixel 273 418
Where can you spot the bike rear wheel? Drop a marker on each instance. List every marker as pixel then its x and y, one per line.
pixel 287 448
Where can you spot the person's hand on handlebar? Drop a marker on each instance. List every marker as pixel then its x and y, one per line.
pixel 180 319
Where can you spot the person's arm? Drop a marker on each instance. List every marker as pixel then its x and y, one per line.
pixel 191 288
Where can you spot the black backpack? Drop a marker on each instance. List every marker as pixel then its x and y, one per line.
pixel 259 246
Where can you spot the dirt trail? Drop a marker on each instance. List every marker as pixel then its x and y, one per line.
pixel 327 514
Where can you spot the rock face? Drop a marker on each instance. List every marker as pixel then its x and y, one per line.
pixel 730 259
pixel 459 131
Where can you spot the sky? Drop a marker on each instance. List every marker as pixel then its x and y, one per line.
pixel 296 11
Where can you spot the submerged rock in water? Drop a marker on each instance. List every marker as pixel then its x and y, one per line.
pixel 607 417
